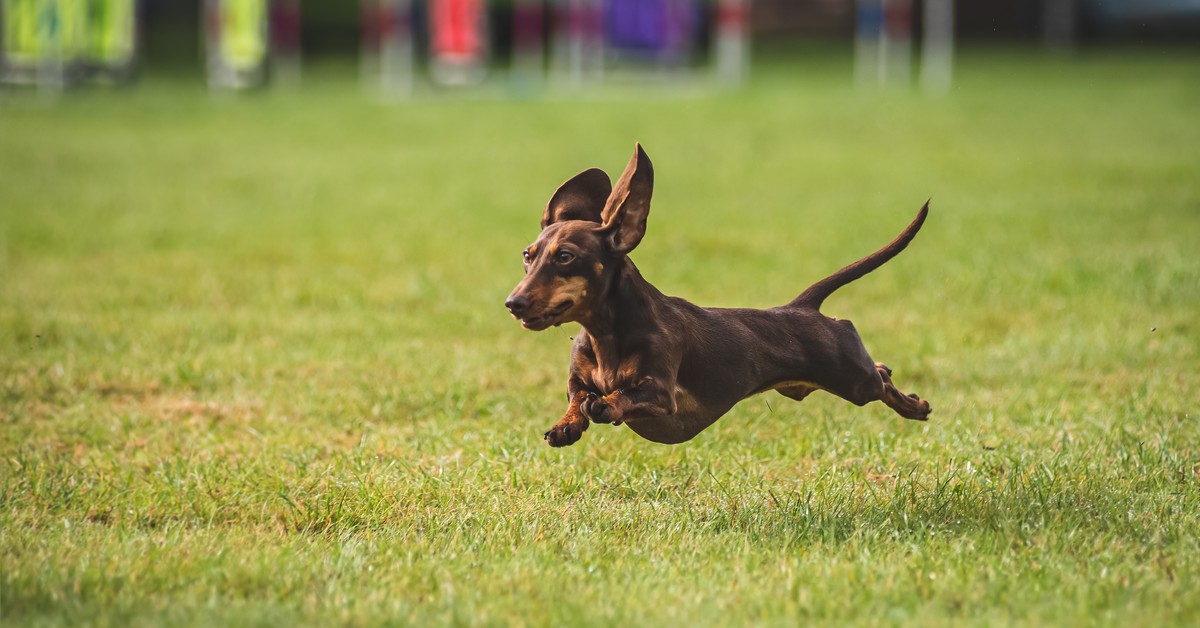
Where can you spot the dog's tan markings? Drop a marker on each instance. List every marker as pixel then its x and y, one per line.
pixel 570 288
pixel 685 403
pixel 794 383
pixel 629 369
pixel 598 268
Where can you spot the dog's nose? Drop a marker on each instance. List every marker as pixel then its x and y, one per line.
pixel 517 304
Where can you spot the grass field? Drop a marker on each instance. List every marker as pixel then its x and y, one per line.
pixel 256 369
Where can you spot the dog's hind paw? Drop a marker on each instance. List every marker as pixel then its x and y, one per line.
pixel 922 411
pixel 599 410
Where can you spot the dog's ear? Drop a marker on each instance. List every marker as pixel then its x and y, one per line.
pixel 625 213
pixel 580 198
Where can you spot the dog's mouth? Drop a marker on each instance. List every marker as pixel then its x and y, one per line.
pixel 547 318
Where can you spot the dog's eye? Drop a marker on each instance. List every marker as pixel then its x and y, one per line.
pixel 525 256
pixel 564 257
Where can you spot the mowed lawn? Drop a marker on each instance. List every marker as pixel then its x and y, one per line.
pixel 255 366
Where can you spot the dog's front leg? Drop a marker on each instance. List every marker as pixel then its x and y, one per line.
pixel 570 428
pixel 649 397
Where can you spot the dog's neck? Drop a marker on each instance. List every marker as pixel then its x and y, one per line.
pixel 628 305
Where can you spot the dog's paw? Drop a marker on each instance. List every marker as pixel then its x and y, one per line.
pixel 593 408
pixel 923 408
pixel 598 410
pixel 562 435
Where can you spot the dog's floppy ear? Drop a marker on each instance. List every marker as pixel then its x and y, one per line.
pixel 580 198
pixel 625 213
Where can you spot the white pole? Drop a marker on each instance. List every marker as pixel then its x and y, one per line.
pixel 868 33
pixel 52 65
pixel 1058 23
pixel 395 47
pixel 937 49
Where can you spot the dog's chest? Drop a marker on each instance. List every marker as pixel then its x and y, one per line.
pixel 611 378
pixel 606 368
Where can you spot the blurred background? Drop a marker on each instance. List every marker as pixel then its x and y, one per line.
pixel 406 44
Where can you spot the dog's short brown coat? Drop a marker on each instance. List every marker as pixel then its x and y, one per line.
pixel 661 365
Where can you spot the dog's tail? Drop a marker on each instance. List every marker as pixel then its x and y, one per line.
pixel 818 292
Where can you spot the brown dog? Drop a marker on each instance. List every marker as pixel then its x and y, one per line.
pixel 660 364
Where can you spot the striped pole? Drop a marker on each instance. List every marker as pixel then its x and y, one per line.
pixel 578 54
pixel 113 40
pixel 897 42
pixel 458 41
pixel 731 45
pixel 285 25
pixel 868 42
pixel 237 42
pixel 528 49
pixel 388 47
pixel 883 42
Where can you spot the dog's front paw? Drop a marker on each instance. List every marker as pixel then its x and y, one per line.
pixel 599 410
pixel 563 435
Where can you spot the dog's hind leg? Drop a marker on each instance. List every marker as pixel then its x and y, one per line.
pixel 908 406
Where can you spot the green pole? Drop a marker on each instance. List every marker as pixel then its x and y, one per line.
pixel 243 38
pixel 111 33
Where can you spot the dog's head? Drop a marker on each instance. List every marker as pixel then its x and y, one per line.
pixel 588 227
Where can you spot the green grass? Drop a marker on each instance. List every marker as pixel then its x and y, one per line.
pixel 255 366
